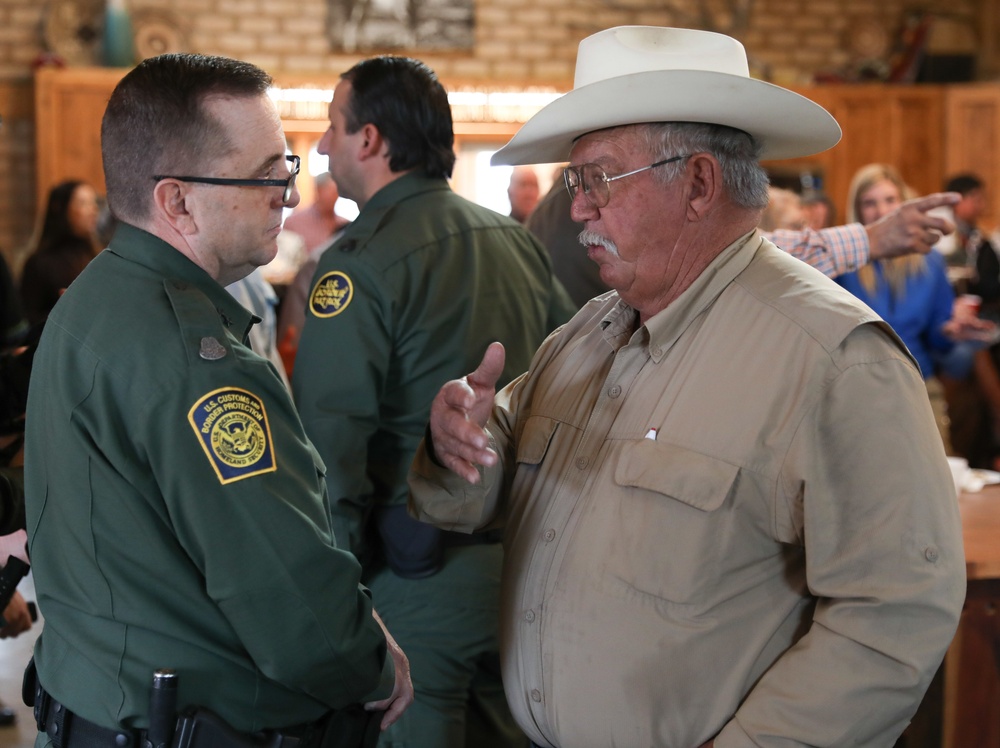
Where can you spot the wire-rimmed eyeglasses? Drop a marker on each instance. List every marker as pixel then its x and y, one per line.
pixel 288 184
pixel 595 180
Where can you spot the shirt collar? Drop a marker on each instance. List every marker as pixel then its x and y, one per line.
pixel 383 203
pixel 136 245
pixel 666 327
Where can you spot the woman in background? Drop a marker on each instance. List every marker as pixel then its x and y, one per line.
pixel 911 293
pixel 66 243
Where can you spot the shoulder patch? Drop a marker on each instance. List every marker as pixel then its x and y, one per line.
pixel 232 426
pixel 331 294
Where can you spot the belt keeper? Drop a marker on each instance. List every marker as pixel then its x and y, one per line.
pixel 41 706
pixel 57 723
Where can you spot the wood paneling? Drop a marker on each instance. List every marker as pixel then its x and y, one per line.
pixel 69 105
pixel 898 125
pixel 972 139
pixel 17 164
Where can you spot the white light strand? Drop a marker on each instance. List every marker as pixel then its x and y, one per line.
pixel 467 105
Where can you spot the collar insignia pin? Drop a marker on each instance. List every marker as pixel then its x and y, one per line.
pixel 211 349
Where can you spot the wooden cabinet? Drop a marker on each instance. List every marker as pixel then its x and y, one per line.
pixel 904 129
pixel 898 125
pixel 17 167
pixel 972 139
pixel 69 105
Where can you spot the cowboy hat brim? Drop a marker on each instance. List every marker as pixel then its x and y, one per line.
pixel 786 124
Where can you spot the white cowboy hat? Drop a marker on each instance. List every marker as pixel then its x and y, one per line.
pixel 633 74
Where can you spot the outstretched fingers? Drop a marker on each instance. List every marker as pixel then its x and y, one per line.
pixel 459 414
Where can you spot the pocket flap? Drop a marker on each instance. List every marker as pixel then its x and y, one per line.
pixel 535 438
pixel 690 477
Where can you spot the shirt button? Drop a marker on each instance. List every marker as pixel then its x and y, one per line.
pixel 529 616
pixel 656 351
pixel 582 463
pixel 536 695
pixel 549 535
pixel 615 391
pixel 931 554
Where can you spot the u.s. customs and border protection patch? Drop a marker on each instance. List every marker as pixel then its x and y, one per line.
pixel 232 426
pixel 331 294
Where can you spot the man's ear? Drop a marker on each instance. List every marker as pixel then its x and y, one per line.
pixel 171 204
pixel 373 145
pixel 704 176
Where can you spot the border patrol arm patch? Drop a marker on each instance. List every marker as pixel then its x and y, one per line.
pixel 231 425
pixel 331 294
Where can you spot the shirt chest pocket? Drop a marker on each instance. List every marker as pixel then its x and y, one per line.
pixel 671 523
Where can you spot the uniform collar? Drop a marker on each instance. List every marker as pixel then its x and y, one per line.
pixel 136 245
pixel 383 203
pixel 666 327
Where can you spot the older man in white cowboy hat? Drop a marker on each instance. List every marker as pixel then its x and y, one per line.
pixel 729 520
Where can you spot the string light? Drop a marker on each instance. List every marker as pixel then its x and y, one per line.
pixel 467 104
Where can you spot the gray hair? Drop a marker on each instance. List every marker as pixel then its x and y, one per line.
pixel 737 152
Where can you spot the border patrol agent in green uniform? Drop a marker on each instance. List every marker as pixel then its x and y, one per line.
pixel 177 513
pixel 408 298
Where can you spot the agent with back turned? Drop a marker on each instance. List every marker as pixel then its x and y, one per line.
pixel 177 512
pixel 409 297
pixel 728 515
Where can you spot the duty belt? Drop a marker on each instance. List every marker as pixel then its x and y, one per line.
pixel 66 729
pixel 69 730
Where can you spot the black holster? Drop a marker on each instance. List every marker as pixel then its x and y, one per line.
pixel 351 727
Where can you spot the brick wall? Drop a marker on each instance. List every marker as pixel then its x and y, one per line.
pixel 516 42
pixel 514 39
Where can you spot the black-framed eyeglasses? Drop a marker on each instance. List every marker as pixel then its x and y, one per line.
pixel 595 180
pixel 288 184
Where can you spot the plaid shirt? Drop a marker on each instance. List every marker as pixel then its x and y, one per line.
pixel 833 251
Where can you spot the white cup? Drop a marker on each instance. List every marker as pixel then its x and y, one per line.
pixel 959 472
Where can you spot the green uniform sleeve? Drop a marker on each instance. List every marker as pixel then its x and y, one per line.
pixel 341 370
pixel 561 306
pixel 244 491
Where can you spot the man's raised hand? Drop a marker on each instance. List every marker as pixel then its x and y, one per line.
pixel 459 414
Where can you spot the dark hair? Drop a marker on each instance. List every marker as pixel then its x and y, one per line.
pixel 963 184
pixel 56 230
pixel 155 123
pixel 815 197
pixel 403 98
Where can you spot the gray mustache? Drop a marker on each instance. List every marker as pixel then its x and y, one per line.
pixel 588 237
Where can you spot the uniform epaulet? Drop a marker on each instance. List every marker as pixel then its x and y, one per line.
pixel 200 323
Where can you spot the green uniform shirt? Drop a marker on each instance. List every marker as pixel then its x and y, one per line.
pixel 408 298
pixel 177 513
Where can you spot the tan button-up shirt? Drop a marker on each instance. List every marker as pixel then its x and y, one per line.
pixel 733 521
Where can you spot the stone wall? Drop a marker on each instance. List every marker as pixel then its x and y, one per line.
pixel 517 42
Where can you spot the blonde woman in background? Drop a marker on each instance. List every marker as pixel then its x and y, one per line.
pixel 912 293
